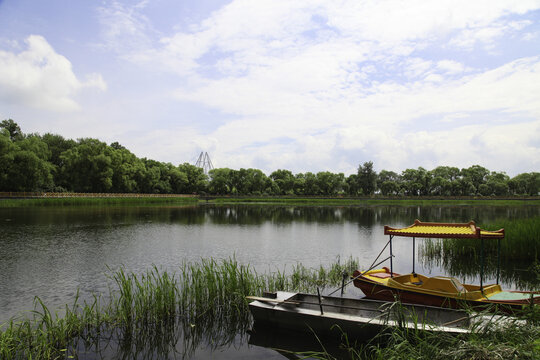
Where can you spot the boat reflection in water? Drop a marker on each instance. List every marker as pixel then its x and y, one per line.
pixel 292 344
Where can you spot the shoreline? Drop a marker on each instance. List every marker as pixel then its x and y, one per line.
pixel 8 200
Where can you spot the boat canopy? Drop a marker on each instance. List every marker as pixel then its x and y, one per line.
pixel 444 230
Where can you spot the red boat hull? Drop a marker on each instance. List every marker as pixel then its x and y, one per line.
pixel 378 291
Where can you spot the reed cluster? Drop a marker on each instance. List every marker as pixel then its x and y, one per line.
pixel 461 257
pixel 492 338
pixel 159 314
pixel 202 303
pixel 520 242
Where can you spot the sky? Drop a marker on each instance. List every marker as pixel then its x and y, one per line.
pixel 270 84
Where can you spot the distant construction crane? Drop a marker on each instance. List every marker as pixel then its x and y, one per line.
pixel 204 162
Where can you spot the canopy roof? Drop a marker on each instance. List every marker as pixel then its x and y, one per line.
pixel 444 230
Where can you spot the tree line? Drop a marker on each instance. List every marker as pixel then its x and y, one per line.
pixel 51 163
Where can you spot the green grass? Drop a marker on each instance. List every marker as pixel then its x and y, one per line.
pixel 270 200
pixel 516 339
pixel 293 200
pixel 95 201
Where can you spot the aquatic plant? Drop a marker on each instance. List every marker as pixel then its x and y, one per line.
pixel 158 314
pixel 491 338
pixel 203 303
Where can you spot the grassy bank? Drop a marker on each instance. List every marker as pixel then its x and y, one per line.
pixel 204 304
pixel 339 201
pixel 145 199
pixel 97 201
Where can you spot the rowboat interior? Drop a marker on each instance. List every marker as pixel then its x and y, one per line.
pixel 353 315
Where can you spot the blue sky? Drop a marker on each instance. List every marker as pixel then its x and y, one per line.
pixel 298 85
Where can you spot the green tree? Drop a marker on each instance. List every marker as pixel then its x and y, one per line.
pixel 57 145
pixel 299 184
pixel 388 182
pixel 197 180
pixel 311 184
pixel 178 179
pixel 251 181
pixel 127 171
pixel 257 182
pixel 498 183
pixel 23 164
pixel 445 181
pixel 15 133
pixel 416 181
pixel 87 167
pixel 6 157
pixel 475 175
pixel 353 187
pixel 525 184
pixel 330 184
pixel 367 178
pixel 284 179
pixel 220 181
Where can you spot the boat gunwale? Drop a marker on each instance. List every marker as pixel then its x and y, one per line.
pixel 378 321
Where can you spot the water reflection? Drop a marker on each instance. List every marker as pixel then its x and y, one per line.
pixel 257 214
pixel 52 251
pixel 297 345
pixel 174 339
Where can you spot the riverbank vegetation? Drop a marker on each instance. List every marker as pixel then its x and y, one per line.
pixel 51 163
pixel 202 304
pixel 97 201
pixel 520 242
pixel 379 200
pixel 157 314
pixel 461 257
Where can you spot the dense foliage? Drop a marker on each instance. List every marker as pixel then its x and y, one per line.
pixel 33 162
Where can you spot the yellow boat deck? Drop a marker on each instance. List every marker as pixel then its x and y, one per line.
pixel 437 285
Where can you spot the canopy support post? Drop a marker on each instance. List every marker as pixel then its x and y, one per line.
pixel 498 259
pixel 413 254
pixel 391 255
pixel 482 265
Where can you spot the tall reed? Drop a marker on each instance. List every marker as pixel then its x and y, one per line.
pixel 203 303
pixel 461 257
pixel 520 242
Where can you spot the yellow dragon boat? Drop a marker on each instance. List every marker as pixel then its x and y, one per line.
pixel 445 291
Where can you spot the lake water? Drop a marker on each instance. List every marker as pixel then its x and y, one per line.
pixel 51 252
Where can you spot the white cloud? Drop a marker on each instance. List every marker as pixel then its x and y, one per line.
pixel 40 77
pixel 345 77
pixel 124 28
pixel 487 35
pixel 451 67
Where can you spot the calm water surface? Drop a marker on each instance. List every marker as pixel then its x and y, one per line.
pixel 52 252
